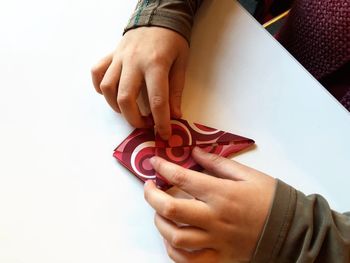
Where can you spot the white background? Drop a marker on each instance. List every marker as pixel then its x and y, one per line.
pixel 63 198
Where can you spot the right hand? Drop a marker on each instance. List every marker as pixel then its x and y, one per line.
pixel 154 57
pixel 225 217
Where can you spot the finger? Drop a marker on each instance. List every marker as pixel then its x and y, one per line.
pixel 131 81
pixel 109 84
pixel 220 166
pixel 194 183
pixel 157 83
pixel 98 71
pixel 187 237
pixel 176 85
pixel 196 256
pixel 186 211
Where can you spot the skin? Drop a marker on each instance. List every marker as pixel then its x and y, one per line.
pixel 154 58
pixel 224 219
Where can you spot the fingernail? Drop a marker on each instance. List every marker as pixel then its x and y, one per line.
pixel 147 182
pixel 177 113
pixel 165 137
pixel 198 149
pixel 163 133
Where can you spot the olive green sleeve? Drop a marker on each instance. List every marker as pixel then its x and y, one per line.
pixel 303 229
pixel 176 15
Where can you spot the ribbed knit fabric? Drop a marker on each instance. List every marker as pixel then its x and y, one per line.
pixel 317 34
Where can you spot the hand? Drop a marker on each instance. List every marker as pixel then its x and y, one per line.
pixel 224 220
pixel 153 57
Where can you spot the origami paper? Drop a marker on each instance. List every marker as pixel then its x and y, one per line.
pixel 142 144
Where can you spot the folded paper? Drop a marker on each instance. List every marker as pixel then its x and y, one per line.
pixel 142 144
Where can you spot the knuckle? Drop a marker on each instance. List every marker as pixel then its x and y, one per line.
pixel 171 254
pixel 131 55
pixel 95 70
pixel 157 60
pixel 216 159
pixel 158 102
pixel 106 86
pixel 170 210
pixel 179 178
pixel 124 99
pixel 177 240
pixel 136 123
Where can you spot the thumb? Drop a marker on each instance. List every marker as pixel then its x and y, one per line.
pixel 221 167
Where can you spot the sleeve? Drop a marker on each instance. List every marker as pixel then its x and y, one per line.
pixel 303 229
pixel 176 15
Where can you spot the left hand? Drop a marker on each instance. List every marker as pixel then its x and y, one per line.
pixel 154 58
pixel 224 220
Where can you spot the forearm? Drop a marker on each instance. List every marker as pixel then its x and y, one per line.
pixel 303 229
pixel 176 15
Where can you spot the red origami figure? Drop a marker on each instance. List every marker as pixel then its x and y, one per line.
pixel 142 144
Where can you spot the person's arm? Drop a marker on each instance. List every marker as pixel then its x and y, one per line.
pixel 303 229
pixel 176 15
pixel 241 214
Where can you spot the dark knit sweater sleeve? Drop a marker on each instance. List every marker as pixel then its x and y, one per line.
pixel 303 229
pixel 176 15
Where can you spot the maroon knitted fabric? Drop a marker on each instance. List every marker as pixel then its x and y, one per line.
pixel 317 34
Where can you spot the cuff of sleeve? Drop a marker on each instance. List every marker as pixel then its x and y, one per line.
pixel 277 224
pixel 178 24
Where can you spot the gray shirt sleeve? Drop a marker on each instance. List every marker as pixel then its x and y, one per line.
pixel 303 229
pixel 176 15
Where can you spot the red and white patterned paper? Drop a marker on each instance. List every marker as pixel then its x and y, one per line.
pixel 142 144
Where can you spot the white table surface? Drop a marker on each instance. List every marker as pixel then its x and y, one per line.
pixel 63 198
